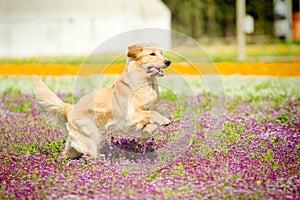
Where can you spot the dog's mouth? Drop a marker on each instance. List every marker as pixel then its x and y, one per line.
pixel 155 71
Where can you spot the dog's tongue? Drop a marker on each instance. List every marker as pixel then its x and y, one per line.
pixel 152 71
pixel 155 71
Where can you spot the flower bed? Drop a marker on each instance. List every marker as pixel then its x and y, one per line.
pixel 223 68
pixel 254 155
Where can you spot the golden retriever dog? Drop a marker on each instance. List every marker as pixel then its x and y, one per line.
pixel 127 106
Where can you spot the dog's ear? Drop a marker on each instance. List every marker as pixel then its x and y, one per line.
pixel 134 51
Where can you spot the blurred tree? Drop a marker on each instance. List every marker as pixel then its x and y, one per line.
pixel 187 16
pixel 216 18
pixel 211 18
pixel 226 10
pixel 262 11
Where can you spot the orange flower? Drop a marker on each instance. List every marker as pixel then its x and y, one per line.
pixel 223 68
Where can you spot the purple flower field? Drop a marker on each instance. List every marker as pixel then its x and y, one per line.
pixel 253 154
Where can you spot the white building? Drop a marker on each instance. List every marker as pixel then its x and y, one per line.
pixel 76 27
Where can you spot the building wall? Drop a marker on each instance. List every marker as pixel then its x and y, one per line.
pixel 64 27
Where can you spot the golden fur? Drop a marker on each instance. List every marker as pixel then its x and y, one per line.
pixel 127 106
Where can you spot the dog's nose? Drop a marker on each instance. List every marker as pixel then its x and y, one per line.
pixel 167 62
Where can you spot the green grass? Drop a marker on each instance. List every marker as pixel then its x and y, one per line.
pixel 273 52
pixel 171 87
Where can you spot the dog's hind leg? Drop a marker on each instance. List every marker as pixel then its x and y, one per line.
pixel 85 136
pixel 69 151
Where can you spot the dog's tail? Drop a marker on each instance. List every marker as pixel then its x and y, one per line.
pixel 53 109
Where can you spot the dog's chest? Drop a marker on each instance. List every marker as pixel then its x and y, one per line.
pixel 146 96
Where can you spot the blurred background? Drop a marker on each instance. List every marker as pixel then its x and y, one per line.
pixel 43 28
pixel 215 20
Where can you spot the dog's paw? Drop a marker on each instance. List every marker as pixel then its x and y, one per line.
pixel 159 119
pixel 164 121
pixel 64 155
pixel 149 129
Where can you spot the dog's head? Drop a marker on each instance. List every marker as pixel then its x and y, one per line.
pixel 148 57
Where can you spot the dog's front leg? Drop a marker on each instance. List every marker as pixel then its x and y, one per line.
pixel 145 117
pixel 149 129
pixel 147 132
pixel 157 118
pixel 149 120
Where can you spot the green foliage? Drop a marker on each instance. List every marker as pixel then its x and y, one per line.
pixel 217 53
pixel 269 156
pixel 282 118
pixel 233 131
pixel 178 169
pixel 153 175
pixel 177 112
pixel 24 107
pixel 53 147
pixel 217 18
pixel 70 60
pixel 13 104
pixel 168 95
pixel 12 91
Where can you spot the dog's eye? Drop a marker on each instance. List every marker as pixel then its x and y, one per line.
pixel 152 54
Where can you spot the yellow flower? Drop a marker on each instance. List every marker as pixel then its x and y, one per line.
pixel 258 182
